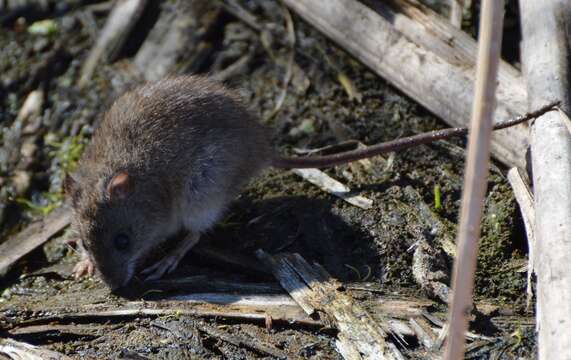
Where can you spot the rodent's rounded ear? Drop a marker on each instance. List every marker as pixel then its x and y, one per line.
pixel 119 186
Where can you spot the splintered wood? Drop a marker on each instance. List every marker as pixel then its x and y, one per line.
pixel 524 198
pixel 360 335
pixel 13 349
pixel 334 187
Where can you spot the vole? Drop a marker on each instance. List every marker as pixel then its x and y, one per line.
pixel 167 158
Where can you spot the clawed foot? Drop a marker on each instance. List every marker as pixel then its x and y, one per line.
pixel 83 267
pixel 171 260
pixel 162 267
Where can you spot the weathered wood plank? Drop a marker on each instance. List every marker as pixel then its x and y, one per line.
pixel 32 237
pixel 546 55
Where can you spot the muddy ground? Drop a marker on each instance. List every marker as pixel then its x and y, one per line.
pixel 277 212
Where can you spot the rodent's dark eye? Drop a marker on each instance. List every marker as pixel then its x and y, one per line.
pixel 121 242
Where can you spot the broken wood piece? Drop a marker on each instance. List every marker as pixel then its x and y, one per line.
pixel 19 350
pixel 425 57
pixel 33 236
pixel 115 32
pixel 359 333
pixel 334 187
pixel 456 13
pixel 524 198
pixel 401 328
pixel 346 348
pixel 424 333
pixel 235 299
pixel 546 62
pixel 289 281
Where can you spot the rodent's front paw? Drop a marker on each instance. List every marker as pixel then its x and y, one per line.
pixel 83 267
pixel 162 267
pixel 170 262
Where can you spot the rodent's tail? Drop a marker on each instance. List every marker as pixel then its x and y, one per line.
pixel 367 152
pixel 393 145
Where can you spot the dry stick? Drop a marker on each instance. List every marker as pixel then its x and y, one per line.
pixel 545 56
pixel 456 11
pixel 476 174
pixel 255 310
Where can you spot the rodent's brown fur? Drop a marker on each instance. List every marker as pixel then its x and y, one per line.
pixel 167 158
pixel 178 137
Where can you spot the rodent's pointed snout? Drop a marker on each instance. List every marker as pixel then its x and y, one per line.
pixel 129 288
pixel 114 283
pixel 116 279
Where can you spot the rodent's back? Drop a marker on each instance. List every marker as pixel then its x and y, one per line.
pixel 158 125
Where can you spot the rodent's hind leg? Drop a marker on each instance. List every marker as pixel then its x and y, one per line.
pixel 168 263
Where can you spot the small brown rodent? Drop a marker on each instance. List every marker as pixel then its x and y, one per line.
pixel 167 159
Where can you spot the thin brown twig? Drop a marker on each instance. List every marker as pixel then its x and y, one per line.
pixel 477 167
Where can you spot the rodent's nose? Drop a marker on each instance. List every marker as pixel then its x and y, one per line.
pixel 115 280
pixel 115 275
pixel 127 286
